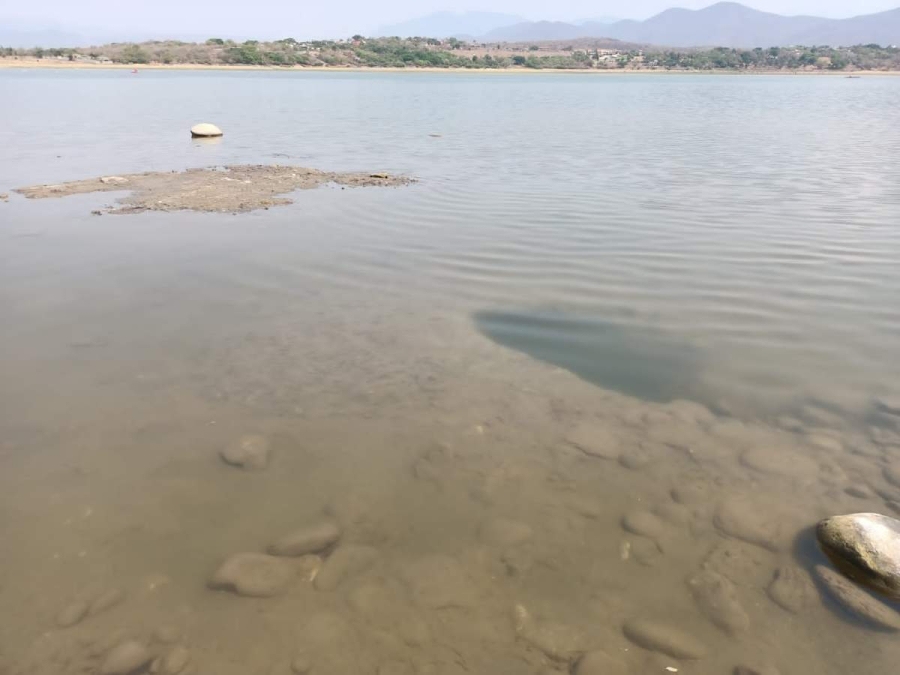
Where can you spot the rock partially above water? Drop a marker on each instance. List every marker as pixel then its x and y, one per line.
pixel 311 539
pixel 247 452
pixel 126 658
pixel 865 546
pixel 660 637
pixel 205 130
pixel 857 601
pixel 254 575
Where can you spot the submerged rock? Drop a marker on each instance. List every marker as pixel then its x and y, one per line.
pixel 557 641
pixel 857 601
pixel 504 532
pixel 745 520
pixel 644 523
pixel 345 562
pixel 866 547
pixel 254 575
pixel 599 663
pixel 126 658
pixel 205 130
pixel 311 539
pixel 72 614
pixel 247 452
pixel 888 404
pixel 780 461
pixel 438 582
pixel 660 637
pixel 717 599
pixel 106 601
pixel 790 588
pixel 175 661
pixel 594 440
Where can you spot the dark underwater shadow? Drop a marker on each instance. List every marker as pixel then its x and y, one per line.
pixel 640 363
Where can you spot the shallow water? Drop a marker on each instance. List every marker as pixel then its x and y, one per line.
pixel 699 273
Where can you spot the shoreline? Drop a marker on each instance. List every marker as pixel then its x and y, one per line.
pixel 52 64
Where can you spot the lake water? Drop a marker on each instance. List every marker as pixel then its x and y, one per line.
pixel 621 346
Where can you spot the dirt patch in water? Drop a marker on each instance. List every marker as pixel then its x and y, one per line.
pixel 228 189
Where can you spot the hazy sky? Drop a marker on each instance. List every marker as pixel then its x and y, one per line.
pixel 303 18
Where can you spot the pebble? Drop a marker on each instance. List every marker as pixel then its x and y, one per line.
pixel 107 601
pixel 660 637
pixel 125 658
pixel 306 540
pixel 346 561
pixel 438 582
pixel 504 532
pixel 205 130
pixel 857 601
pixel 867 547
pixel 599 663
pixel 780 461
pixel 644 523
pixel 717 599
pixel 741 519
pixel 175 661
pixel 72 614
pixel 594 440
pixel 255 575
pixel 790 588
pixel 247 452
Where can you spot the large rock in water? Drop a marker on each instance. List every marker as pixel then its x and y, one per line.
pixel 205 130
pixel 866 547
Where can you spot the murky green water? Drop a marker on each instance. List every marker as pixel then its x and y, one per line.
pixel 625 335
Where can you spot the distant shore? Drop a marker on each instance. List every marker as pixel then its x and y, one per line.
pixel 47 64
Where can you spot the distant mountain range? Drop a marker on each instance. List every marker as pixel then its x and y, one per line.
pixel 726 24
pixel 450 24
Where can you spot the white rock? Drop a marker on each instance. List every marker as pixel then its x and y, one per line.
pixel 205 130
pixel 125 658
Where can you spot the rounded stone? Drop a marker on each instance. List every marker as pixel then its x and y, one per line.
pixel 660 637
pixel 857 601
pixel 780 461
pixel 307 540
pixel 254 575
pixel 247 452
pixel 866 547
pixel 166 634
pixel 125 658
pixel 345 562
pixel 205 130
pixel 717 598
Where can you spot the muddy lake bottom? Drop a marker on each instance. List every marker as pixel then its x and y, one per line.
pixel 570 402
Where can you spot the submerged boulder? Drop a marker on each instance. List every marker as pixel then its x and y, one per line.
pixel 866 547
pixel 205 130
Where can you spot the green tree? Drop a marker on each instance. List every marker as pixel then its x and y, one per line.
pixel 134 54
pixel 215 41
pixel 38 53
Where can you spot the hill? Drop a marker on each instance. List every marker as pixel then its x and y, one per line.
pixel 725 24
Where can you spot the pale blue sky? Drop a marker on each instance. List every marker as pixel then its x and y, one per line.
pixel 304 19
